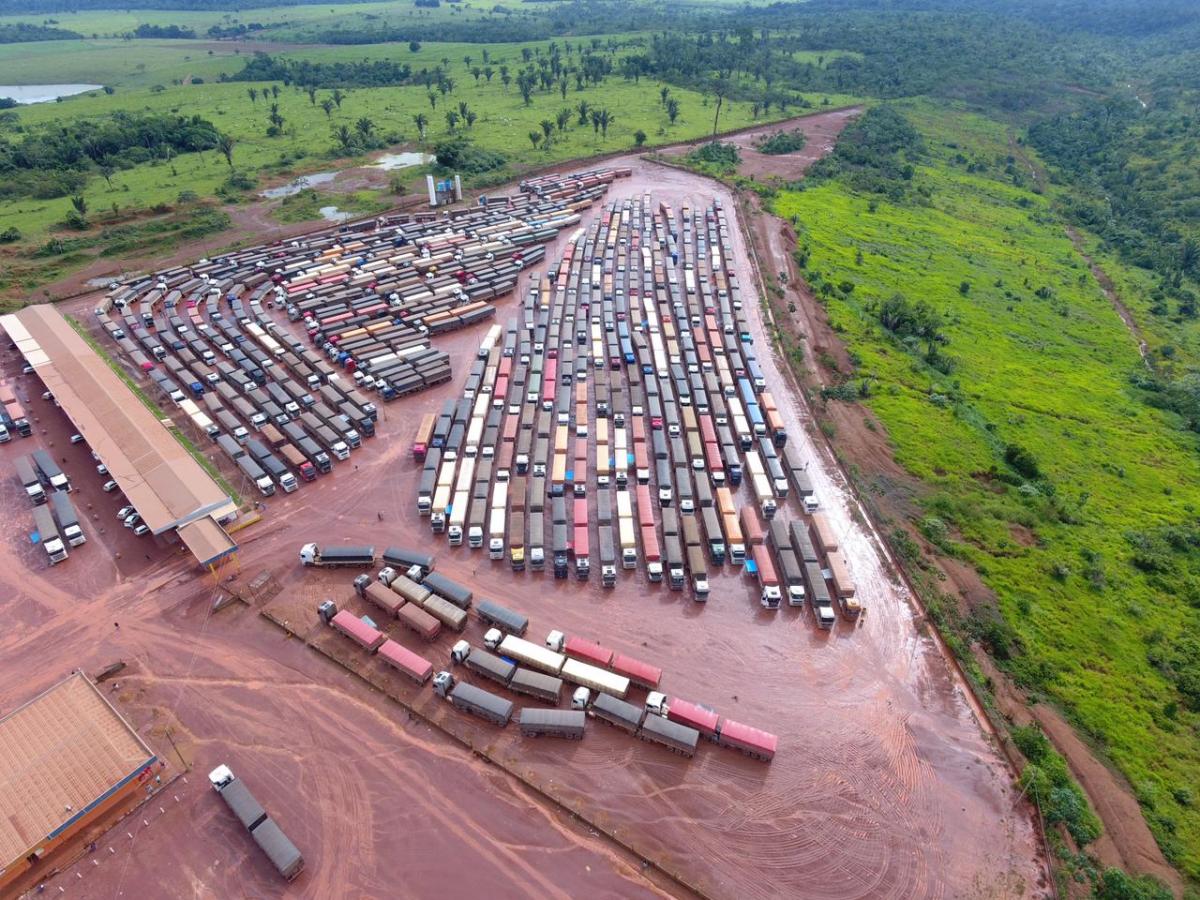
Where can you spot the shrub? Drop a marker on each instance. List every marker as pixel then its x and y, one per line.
pixel 461 155
pixel 782 142
pixel 10 235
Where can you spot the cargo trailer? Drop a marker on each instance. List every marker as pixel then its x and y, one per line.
pixel 288 860
pixel 418 621
pixel 405 661
pixel 536 684
pixel 563 723
pixel 479 661
pixel 473 700
pixel 366 636
pixel 531 654
pixel 672 735
pixel 751 741
pixel 333 556
pixel 448 589
pixel 501 617
pixel 616 712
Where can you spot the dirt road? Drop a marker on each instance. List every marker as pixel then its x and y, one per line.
pixel 884 784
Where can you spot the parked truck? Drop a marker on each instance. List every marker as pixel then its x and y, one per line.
pixel 68 521
pixel 328 557
pixel 48 535
pixel 768 578
pixel 482 663
pixel 474 700
pixel 50 472
pixel 502 617
pixel 29 480
pixel 270 838
pixel 563 723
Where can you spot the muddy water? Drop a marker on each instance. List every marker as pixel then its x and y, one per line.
pixel 883 785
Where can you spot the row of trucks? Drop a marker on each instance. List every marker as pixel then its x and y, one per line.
pixel 56 524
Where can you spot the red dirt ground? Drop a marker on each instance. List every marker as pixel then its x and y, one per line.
pixel 884 784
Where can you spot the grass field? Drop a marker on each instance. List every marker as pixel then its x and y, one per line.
pixel 1040 360
pixel 307 144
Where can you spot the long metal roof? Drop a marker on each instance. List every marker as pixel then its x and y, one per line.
pixel 162 480
pixel 60 754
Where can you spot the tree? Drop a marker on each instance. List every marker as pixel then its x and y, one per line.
pixel 720 89
pixel 562 118
pixel 107 171
pixel 311 90
pixel 547 129
pixel 505 78
pixel 451 119
pixel 432 100
pixel 225 145
pixel 639 137
pixel 475 73
pixel 469 117
pixel 414 46
pixel 364 126
pixel 327 104
pixel 488 72
pixel 338 97
pixel 253 92
pixel 606 119
pixel 583 108
pixel 81 205
pixel 663 93
pixel 275 91
pixel 463 109
pixel 422 122
pixel 595 115
pixel 344 136
pixel 672 110
pixel 535 138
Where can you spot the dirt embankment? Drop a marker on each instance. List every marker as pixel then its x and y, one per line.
pixel 888 491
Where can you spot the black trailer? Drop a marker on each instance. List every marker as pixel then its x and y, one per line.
pixel 502 617
pixel 563 723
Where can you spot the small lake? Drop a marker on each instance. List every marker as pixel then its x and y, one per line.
pixel 44 93
pixel 303 183
pixel 401 161
pixel 333 214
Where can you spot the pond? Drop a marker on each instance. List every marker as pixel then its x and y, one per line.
pixel 401 160
pixel 333 214
pixel 303 183
pixel 44 93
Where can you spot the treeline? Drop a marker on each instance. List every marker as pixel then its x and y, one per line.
pixel 21 33
pixel 1149 214
pixel 163 31
pixel 874 154
pixel 57 160
pixel 37 7
pixel 370 73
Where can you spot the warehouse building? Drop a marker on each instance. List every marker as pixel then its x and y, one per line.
pixel 170 490
pixel 67 758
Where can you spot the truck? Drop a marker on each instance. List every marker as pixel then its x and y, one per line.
pixel 523 651
pixel 288 861
pixel 563 723
pixel 445 612
pixel 405 661
pixel 674 736
pixel 640 673
pixel 365 635
pixel 819 593
pixel 767 577
pixel 331 557
pixel 473 700
pixel 56 550
pixel 418 621
pixel 451 590
pixel 29 480
pixel 752 741
pixel 616 712
pixel 596 678
pixel 68 521
pixel 502 617
pixel 697 565
pixel 377 593
pixel 50 472
pixel 535 684
pixel 254 472
pixel 516 541
pixel 482 663
pixel 404 559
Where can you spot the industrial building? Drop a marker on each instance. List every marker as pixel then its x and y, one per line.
pixel 169 489
pixel 67 758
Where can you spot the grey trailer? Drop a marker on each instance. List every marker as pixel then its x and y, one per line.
pixel 563 723
pixel 502 617
pixel 616 712
pixel 679 738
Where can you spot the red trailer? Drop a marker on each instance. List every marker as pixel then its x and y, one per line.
pixel 376 593
pixel 694 716
pixel 645 508
pixel 413 617
pixel 589 651
pixel 415 667
pixel 581 512
pixel 752 530
pixel 638 672
pixel 751 741
pixel 358 631
pixel 650 544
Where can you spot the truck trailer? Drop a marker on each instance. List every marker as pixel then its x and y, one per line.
pixel 474 700
pixel 68 520
pixel 334 556
pixel 563 723
pixel 270 838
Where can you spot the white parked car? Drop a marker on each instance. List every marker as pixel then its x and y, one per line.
pixel 142 529
pixel 108 487
pixel 125 511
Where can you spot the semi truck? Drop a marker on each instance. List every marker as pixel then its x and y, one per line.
pixel 482 663
pixel 767 577
pixel 474 700
pixel 56 550
pixel 68 521
pixel 405 661
pixel 50 472
pixel 451 590
pixel 288 861
pixel 29 480
pixel 330 557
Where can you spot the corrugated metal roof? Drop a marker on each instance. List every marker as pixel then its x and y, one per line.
pixel 207 540
pixel 162 480
pixel 60 753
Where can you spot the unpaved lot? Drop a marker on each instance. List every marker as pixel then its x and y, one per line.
pixel 884 784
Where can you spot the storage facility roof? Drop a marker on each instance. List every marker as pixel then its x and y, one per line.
pixel 162 480
pixel 60 753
